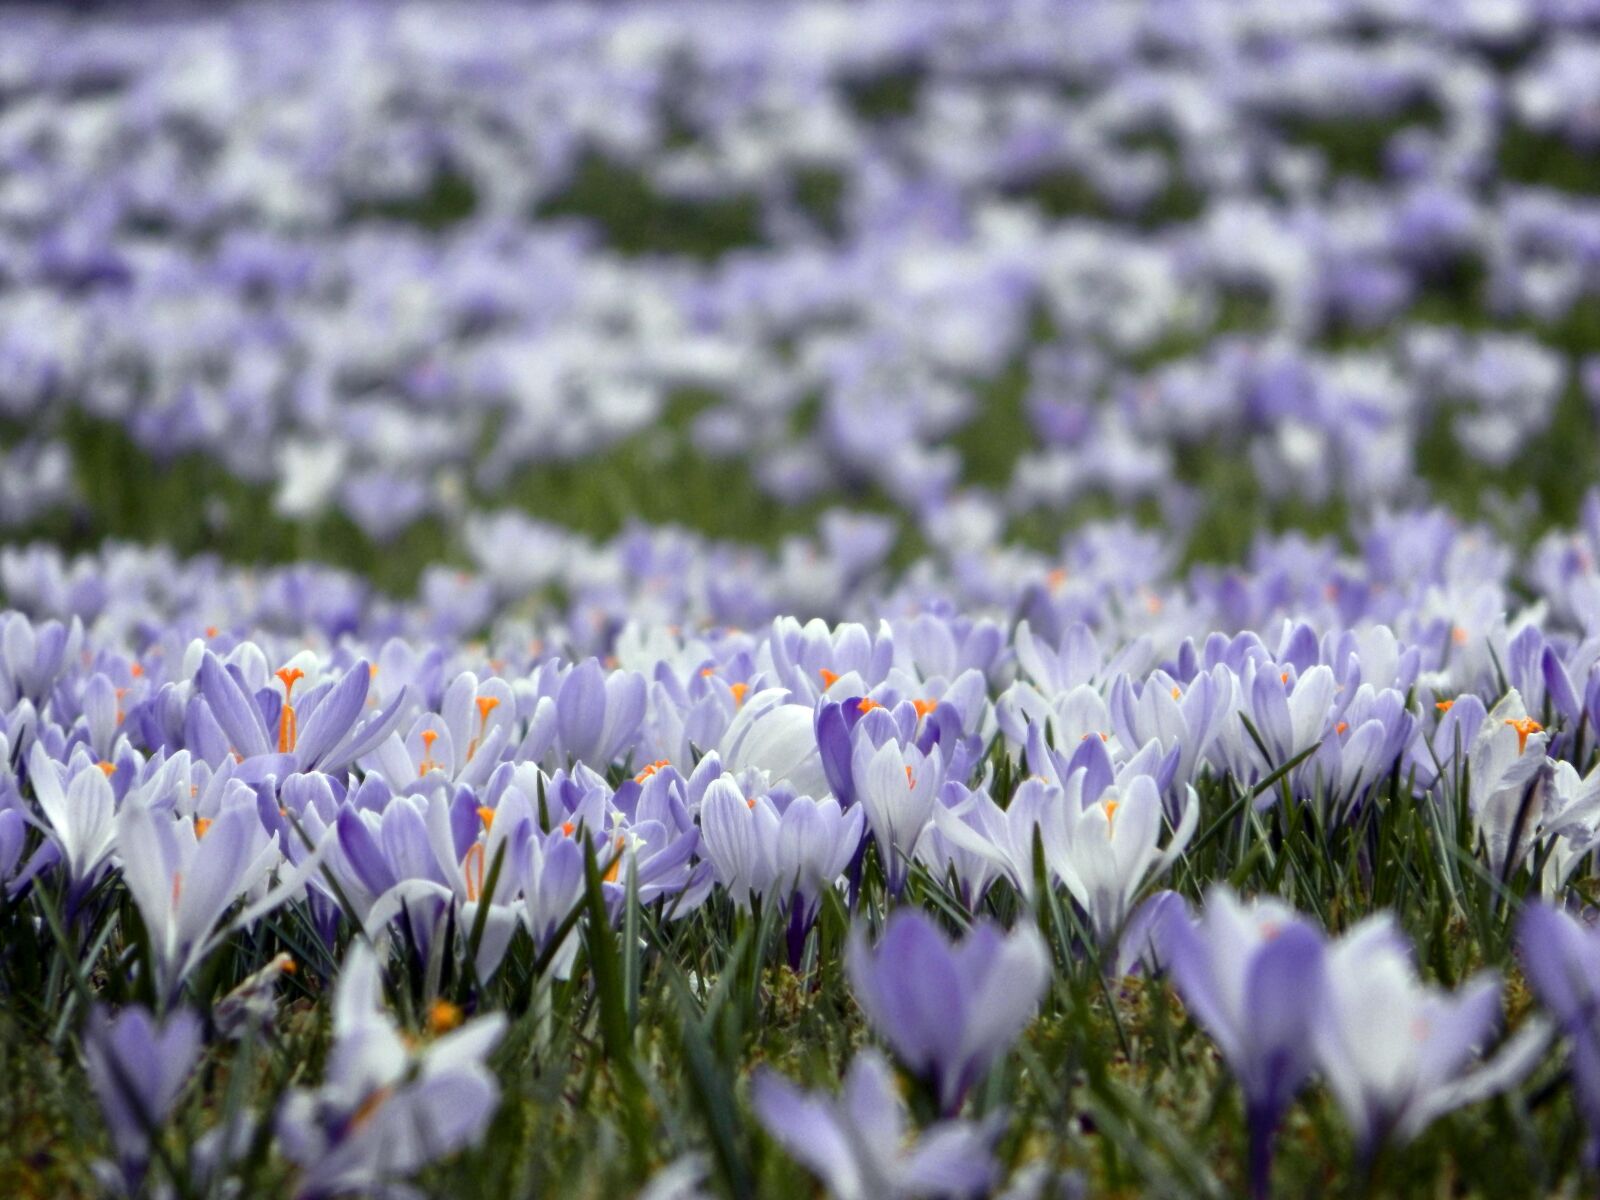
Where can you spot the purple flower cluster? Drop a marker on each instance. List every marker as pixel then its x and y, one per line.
pixel 341 253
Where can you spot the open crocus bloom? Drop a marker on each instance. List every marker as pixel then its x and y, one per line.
pixel 859 1144
pixel 1394 1075
pixel 382 1111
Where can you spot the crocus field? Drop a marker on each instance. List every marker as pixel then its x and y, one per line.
pixel 912 598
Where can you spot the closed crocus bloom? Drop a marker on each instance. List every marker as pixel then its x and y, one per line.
pixel 1244 972
pixel 598 714
pixel 1507 773
pixel 550 872
pixel 738 836
pixel 861 1146
pixel 779 739
pixel 899 787
pixel 815 842
pixel 1398 1053
pixel 948 1009
pixel 137 1068
pixel 1561 960
pixel 384 1111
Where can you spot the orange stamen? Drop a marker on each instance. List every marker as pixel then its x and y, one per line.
pixel 201 825
pixel 109 769
pixel 738 690
pixel 568 828
pixel 1460 636
pixel 1341 726
pixel 866 704
pixel 1445 705
pixel 616 863
pixel 829 678
pixel 486 815
pixel 924 707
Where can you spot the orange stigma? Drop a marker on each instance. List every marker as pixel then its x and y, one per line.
pixel 472 871
pixel 287 728
pixel 1110 807
pixel 866 704
pixel 201 824
pixel 651 769
pixel 1445 705
pixel 738 690
pixel 829 678
pixel 443 1017
pixel 109 769
pixel 924 707
pixel 486 815
pixel 1341 726
pixel 486 705
pixel 1525 727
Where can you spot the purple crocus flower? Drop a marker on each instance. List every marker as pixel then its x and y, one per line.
pixel 1561 960
pixel 858 1144
pixel 383 1112
pixel 137 1069
pixel 899 787
pixel 948 1010
pixel 1397 1053
pixel 185 874
pixel 1244 971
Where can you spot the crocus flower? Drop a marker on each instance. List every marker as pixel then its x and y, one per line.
pixel 384 1111
pixel 948 1010
pixel 1507 772
pixel 82 815
pixel 899 787
pixel 185 874
pixel 1105 848
pixel 137 1068
pixel 1244 972
pixel 1397 1053
pixel 1561 959
pixel 739 837
pixel 778 738
pixel 860 1146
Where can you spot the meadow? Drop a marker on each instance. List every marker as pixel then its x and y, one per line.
pixel 813 599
